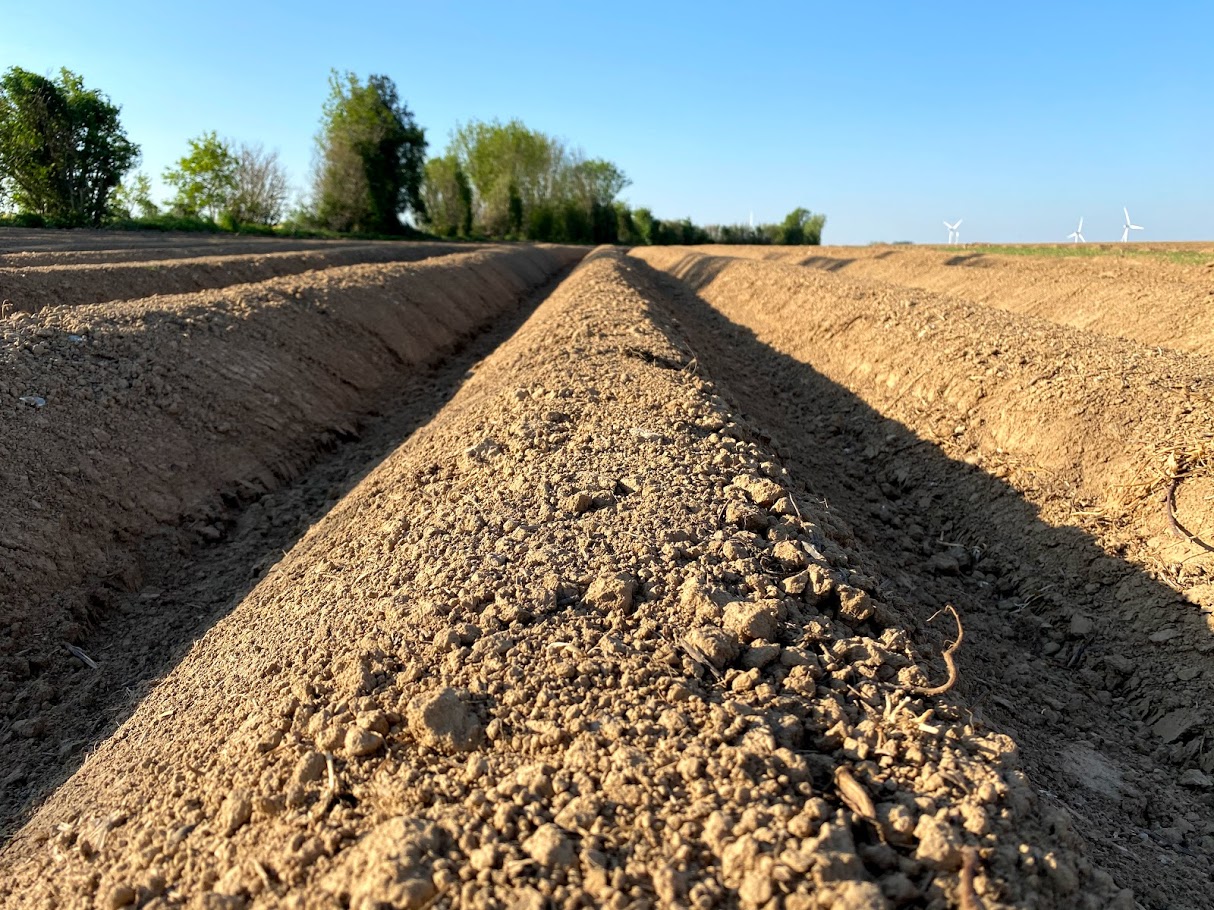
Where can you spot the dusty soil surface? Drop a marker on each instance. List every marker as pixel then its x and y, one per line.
pixel 990 460
pixel 19 246
pixel 136 429
pixel 582 640
pixel 31 288
pixel 659 604
pixel 187 586
pixel 1150 300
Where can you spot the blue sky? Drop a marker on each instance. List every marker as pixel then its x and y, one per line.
pixel 888 117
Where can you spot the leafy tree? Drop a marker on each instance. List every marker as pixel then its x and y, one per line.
pixel 625 226
pixel 62 147
pixel 543 222
pixel 227 184
pixel 447 195
pixel 205 179
pixel 133 198
pixel 512 169
pixel 514 210
pixel 370 157
pixel 801 227
pixel 528 184
pixel 260 188
pixel 596 181
pixel 644 223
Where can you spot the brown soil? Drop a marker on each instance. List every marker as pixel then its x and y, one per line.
pixel 146 428
pixel 995 456
pixel 39 247
pixel 647 608
pixel 1149 300
pixel 30 288
pixel 581 639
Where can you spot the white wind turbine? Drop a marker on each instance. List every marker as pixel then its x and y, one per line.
pixel 1129 226
pixel 1077 234
pixel 954 235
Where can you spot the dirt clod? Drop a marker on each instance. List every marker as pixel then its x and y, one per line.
pixel 119 896
pixel 938 844
pixel 309 768
pixel 550 847
pixel 613 592
pixel 444 720
pixel 360 742
pixel 237 809
pixel 753 620
pixel 855 605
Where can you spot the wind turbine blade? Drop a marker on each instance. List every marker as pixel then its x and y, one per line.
pixel 1127 214
pixel 1081 240
pixel 1125 234
pixel 1135 227
pixel 1080 228
pixel 958 224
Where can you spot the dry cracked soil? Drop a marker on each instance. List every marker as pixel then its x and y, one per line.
pixel 376 576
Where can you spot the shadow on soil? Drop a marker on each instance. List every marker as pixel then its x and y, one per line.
pixel 187 587
pixel 825 263
pixel 932 530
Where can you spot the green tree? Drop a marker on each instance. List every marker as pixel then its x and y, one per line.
pixel 644 223
pixel 447 195
pixel 133 198
pixel 801 227
pixel 370 157
pixel 511 168
pixel 625 226
pixel 205 179
pixel 596 181
pixel 514 211
pixel 62 147
pixel 528 184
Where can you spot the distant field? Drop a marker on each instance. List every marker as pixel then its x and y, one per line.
pixel 1182 254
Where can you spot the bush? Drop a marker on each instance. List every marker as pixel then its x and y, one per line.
pixel 27 220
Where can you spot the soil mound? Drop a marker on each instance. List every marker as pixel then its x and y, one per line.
pixel 1142 297
pixel 1020 470
pixel 581 641
pixel 30 288
pixel 124 424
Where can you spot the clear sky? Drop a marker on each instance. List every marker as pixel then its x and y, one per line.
pixel 889 117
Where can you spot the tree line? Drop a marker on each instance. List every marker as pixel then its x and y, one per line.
pixel 66 160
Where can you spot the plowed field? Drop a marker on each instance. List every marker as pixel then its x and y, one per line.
pixel 1161 295
pixel 678 581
